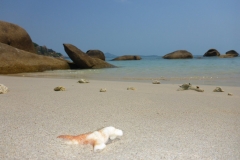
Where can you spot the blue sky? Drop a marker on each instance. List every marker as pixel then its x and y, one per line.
pixel 142 27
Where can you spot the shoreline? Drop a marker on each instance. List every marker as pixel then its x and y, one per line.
pixel 209 71
pixel 209 81
pixel 158 122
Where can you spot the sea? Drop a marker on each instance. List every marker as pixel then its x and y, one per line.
pixel 199 70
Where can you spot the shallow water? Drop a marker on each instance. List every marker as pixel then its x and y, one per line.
pixel 199 70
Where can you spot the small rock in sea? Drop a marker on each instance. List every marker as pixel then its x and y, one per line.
pixel 3 89
pixel 230 94
pixel 103 90
pixel 156 82
pixel 83 81
pixel 131 88
pixel 218 89
pixel 59 88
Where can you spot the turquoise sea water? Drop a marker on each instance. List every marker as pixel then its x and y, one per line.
pixel 199 70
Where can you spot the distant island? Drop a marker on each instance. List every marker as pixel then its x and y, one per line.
pixel 43 50
pixel 149 55
pixel 109 55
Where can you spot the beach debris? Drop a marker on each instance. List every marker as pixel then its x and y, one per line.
pixel 230 94
pixel 183 87
pixel 188 86
pixel 83 81
pixel 59 88
pixel 218 89
pixel 131 88
pixel 97 138
pixel 3 89
pixel 103 90
pixel 155 82
pixel 197 88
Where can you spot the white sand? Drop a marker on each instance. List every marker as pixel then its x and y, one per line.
pixel 158 122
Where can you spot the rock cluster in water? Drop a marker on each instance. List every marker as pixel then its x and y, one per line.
pixel 183 54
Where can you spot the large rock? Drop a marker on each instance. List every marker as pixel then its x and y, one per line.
pixel 84 61
pixel 179 54
pixel 211 52
pixel 15 36
pixel 127 57
pixel 232 52
pixel 13 60
pixel 96 54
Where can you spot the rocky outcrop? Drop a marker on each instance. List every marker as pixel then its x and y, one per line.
pixel 15 36
pixel 232 52
pixel 96 54
pixel 13 60
pixel 211 52
pixel 179 54
pixel 84 61
pixel 127 57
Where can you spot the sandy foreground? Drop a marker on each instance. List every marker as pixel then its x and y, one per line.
pixel 158 122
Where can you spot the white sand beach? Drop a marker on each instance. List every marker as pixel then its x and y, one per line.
pixel 158 122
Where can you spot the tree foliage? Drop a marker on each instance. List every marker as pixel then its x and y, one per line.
pixel 43 50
